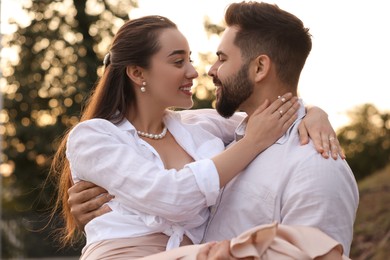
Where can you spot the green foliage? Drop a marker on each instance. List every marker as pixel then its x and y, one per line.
pixel 60 53
pixel 366 140
pixel 212 28
pixel 372 225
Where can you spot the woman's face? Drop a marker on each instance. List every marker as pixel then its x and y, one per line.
pixel 171 73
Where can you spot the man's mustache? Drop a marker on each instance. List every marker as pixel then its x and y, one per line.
pixel 217 82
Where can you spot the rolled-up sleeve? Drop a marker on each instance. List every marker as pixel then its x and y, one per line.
pixel 209 188
pixel 101 153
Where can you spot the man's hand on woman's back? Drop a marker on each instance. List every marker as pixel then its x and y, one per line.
pixel 87 201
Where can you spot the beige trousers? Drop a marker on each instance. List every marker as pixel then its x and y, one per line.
pixel 129 248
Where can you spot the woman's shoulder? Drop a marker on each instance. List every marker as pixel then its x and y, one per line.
pixel 96 131
pixel 94 125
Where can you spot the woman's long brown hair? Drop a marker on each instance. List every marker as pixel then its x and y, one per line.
pixel 134 44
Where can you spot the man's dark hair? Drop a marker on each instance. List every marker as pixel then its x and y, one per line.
pixel 266 29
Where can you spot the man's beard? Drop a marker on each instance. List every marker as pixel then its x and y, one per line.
pixel 234 92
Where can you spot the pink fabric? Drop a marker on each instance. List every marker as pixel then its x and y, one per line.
pixel 272 241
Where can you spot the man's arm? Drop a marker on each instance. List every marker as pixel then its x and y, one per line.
pixel 87 201
pixel 221 250
pixel 323 194
pixel 216 250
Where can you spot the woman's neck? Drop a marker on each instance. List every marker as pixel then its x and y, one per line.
pixel 147 120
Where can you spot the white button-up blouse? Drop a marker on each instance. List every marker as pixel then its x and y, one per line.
pixel 148 197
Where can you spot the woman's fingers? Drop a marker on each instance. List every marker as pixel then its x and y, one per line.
pixel 303 134
pixel 282 104
pixel 332 146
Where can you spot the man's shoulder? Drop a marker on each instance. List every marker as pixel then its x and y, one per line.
pixel 326 174
pixel 304 161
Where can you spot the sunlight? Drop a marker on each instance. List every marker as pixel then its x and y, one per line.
pixel 10 55
pixel 6 169
pixel 43 118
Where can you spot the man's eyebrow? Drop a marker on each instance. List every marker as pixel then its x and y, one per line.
pixel 220 53
pixel 177 52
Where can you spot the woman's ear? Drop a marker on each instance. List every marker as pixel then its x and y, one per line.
pixel 135 74
pixel 262 67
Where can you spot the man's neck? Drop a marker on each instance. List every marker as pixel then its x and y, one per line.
pixel 257 99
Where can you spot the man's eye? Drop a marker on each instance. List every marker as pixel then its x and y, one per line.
pixel 220 58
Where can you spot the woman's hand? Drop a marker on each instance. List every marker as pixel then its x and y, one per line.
pixel 316 125
pixel 269 122
pixel 265 125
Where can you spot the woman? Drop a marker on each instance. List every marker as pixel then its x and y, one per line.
pixel 164 167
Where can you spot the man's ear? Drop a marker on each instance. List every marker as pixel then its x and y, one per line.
pixel 262 67
pixel 135 73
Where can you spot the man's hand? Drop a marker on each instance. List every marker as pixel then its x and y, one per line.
pixel 334 254
pixel 217 251
pixel 221 251
pixel 86 202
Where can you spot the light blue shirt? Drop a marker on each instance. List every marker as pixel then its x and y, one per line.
pixel 292 184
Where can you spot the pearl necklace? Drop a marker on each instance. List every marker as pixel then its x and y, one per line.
pixel 154 136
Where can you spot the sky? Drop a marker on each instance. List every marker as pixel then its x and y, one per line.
pixel 349 62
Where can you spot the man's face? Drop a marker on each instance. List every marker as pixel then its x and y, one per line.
pixel 230 75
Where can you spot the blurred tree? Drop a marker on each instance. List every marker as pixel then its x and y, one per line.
pixel 366 140
pixel 204 96
pixel 59 56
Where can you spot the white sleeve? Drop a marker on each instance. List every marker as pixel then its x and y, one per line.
pixel 323 193
pixel 101 153
pixel 212 122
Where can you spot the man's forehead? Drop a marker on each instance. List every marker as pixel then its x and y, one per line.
pixel 226 45
pixel 229 34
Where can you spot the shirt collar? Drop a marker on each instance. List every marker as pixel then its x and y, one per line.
pixel 240 130
pixel 125 124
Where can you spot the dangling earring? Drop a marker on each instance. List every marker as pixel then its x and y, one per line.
pixel 143 89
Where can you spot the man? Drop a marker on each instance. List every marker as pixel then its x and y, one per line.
pixel 265 49
pixel 261 55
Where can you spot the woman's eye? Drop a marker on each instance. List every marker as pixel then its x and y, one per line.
pixel 179 62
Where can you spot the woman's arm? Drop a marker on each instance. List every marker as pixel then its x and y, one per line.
pixel 264 127
pixel 98 155
pixel 212 122
pixel 315 125
pixel 101 153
